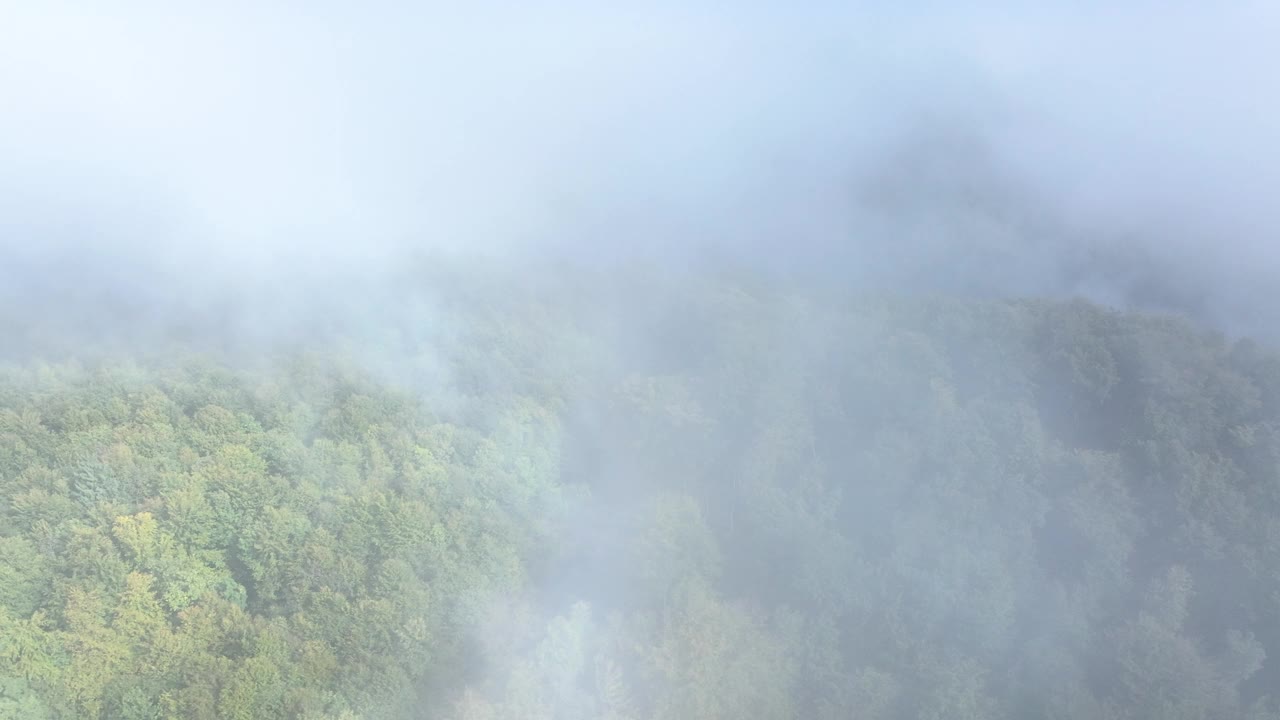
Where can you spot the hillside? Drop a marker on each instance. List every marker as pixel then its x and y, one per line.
pixel 600 496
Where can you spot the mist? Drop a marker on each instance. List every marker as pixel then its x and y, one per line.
pixel 670 361
pixel 921 145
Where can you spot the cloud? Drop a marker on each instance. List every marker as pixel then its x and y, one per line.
pixel 248 142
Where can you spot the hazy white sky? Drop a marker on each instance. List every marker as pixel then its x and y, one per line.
pixel 264 132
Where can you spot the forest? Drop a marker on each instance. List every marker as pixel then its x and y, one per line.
pixel 518 494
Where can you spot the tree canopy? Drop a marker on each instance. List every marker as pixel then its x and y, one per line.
pixel 649 498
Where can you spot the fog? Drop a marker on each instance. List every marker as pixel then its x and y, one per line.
pixel 420 189
pixel 925 143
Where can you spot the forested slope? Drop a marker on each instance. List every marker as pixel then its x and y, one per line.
pixel 631 497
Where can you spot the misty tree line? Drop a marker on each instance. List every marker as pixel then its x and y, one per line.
pixel 618 497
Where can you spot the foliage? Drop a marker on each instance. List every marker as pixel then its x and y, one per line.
pixel 740 502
